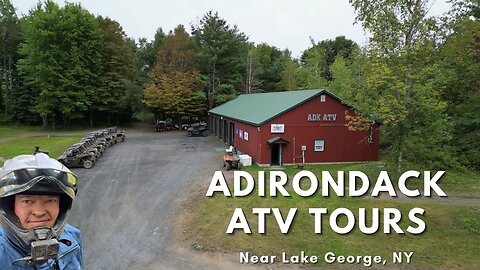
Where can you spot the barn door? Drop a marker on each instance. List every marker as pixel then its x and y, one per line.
pixel 232 134
pixel 276 154
pixel 225 130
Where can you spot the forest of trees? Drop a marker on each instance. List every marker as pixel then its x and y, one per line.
pixel 418 75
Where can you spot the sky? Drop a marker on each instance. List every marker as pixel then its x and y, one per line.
pixel 285 24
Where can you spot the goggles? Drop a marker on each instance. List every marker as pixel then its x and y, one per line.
pixel 42 181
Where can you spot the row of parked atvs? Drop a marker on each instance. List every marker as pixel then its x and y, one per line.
pixel 86 152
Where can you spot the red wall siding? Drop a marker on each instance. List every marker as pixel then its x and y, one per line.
pixel 341 145
pixel 254 146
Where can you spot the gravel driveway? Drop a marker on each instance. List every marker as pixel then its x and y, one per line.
pixel 126 202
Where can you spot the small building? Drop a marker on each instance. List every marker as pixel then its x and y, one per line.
pixel 282 128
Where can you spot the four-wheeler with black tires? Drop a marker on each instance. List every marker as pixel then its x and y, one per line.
pixel 83 147
pixel 77 157
pixel 95 143
pixel 116 135
pixel 119 136
pixel 109 139
pixel 166 125
pixel 188 123
pixel 231 161
pixel 198 129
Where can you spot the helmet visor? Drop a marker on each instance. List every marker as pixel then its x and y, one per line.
pixel 42 181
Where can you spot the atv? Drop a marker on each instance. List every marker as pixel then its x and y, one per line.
pixel 77 157
pixel 231 161
pixel 166 125
pixel 120 136
pixel 197 130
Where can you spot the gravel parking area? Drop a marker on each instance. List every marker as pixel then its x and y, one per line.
pixel 126 203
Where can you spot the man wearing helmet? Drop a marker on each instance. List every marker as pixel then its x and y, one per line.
pixel 36 195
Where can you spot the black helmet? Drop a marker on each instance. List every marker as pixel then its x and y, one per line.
pixel 34 174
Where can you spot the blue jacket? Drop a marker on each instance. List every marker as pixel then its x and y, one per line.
pixel 69 256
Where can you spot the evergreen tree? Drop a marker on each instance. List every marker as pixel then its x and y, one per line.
pixel 147 54
pixel 221 58
pixel 270 62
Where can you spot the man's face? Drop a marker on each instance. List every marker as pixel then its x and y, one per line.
pixel 37 210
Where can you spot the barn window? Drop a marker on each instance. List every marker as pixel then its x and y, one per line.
pixel 322 98
pixel 319 146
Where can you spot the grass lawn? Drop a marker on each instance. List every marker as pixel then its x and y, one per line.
pixel 450 240
pixel 13 131
pixel 54 145
pixel 452 182
pixel 22 140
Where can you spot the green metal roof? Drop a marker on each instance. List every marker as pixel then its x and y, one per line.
pixel 256 109
pixel 277 139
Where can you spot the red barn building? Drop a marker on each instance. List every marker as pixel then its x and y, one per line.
pixel 276 128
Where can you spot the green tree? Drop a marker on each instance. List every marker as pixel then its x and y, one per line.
pixel 118 66
pixel 347 77
pixel 289 73
pixel 147 54
pixel 173 88
pixel 10 39
pixel 221 58
pixel 398 82
pixel 459 79
pixel 270 62
pixel 61 59
pixel 314 65
pixel 251 73
pixel 318 58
